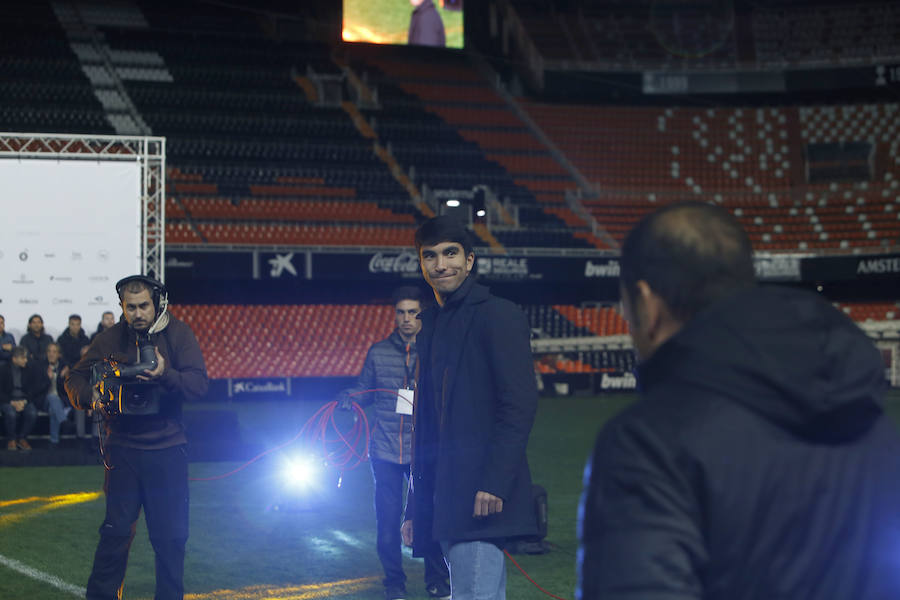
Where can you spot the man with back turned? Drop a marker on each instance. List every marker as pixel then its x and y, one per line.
pixel 758 463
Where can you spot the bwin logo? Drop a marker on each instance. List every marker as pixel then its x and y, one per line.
pixel 282 262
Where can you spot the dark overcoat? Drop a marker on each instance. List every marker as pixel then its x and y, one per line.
pixel 472 421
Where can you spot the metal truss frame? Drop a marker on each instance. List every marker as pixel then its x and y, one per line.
pixel 150 152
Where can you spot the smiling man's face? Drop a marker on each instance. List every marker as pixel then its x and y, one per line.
pixel 445 266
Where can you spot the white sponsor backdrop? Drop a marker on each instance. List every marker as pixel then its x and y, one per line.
pixel 70 230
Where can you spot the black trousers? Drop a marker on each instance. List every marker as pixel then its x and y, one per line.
pixel 388 517
pixel 156 480
pixel 29 416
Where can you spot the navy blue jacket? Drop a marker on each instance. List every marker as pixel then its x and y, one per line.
pixel 758 464
pixel 472 420
pixel 388 366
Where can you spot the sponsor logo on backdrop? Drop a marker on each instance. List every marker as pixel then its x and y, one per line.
pixel 103 255
pixel 281 263
pixel 49 254
pixel 23 280
pixel 23 255
pixel 253 387
pixel 501 266
pixel 777 267
pixel 96 301
pixel 878 266
pixel 28 301
pixel 179 264
pixel 62 301
pixel 625 381
pixel 77 255
pixel 98 278
pixel 404 263
pixel 608 269
pixel 61 278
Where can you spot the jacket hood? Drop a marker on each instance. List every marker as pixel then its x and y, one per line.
pixel 785 354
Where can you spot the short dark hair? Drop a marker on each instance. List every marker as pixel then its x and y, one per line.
pixel 35 315
pixel 73 316
pixel 135 286
pixel 19 351
pixel 444 228
pixel 691 254
pixel 407 292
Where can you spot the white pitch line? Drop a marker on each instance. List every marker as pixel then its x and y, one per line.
pixel 42 577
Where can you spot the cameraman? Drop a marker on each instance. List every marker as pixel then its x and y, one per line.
pixel 145 454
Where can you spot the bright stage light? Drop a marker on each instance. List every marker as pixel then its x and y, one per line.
pixel 301 472
pixel 480 212
pixel 452 203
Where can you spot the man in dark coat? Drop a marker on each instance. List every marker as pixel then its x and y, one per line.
pixel 7 342
pixel 36 339
pixel 72 340
pixel 18 390
pixel 425 25
pixel 758 462
pixel 390 367
pixel 476 405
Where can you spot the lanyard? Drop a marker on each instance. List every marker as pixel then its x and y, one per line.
pixel 410 372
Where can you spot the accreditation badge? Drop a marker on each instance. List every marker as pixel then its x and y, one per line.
pixel 405 400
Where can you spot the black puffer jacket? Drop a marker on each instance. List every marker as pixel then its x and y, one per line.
pixel 390 365
pixel 757 465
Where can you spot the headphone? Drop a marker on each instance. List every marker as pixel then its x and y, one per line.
pixel 158 291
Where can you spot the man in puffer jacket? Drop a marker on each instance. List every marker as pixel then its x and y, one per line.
pixel 388 380
pixel 758 463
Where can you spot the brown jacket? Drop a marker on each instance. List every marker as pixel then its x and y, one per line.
pixel 184 378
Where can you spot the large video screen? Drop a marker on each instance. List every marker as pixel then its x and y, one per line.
pixel 406 22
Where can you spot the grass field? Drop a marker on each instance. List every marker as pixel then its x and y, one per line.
pixel 249 541
pixel 387 22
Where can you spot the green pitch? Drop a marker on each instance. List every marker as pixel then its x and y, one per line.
pixel 250 540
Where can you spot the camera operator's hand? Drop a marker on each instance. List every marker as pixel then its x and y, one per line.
pixel 95 400
pixel 158 371
pixel 406 533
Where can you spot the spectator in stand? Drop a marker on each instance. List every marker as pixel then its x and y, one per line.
pixel 391 365
pixel 72 341
pixel 36 339
pixel 107 320
pixel 7 343
pixel 86 416
pixel 51 372
pixel 17 390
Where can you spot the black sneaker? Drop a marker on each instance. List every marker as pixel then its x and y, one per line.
pixel 394 593
pixel 438 590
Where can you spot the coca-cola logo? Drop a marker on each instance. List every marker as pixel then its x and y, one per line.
pixel 405 262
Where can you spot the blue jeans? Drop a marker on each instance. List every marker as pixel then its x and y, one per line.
pixel 477 570
pixel 58 413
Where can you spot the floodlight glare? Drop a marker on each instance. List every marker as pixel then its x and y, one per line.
pixel 480 212
pixel 452 203
pixel 300 472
